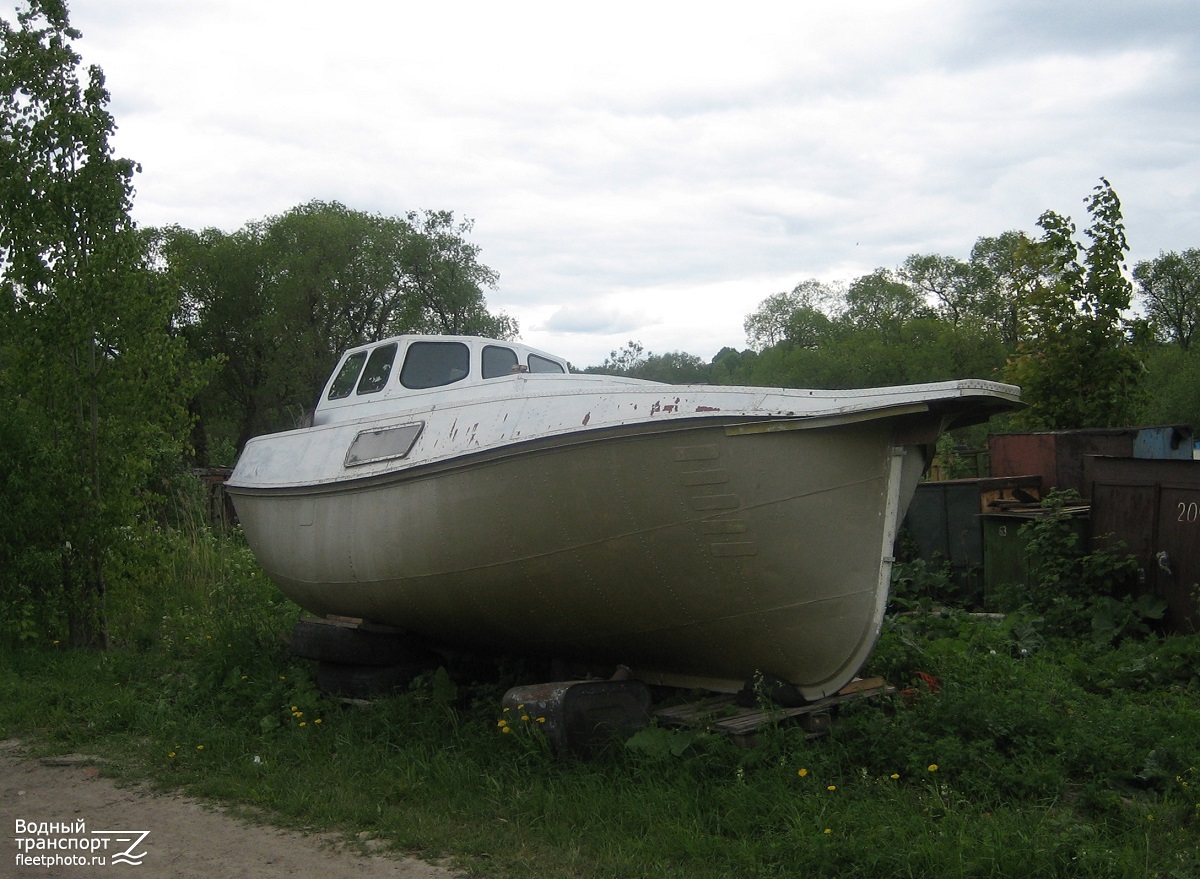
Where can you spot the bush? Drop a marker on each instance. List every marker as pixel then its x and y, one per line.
pixel 1078 593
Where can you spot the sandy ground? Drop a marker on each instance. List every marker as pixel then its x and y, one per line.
pixel 187 838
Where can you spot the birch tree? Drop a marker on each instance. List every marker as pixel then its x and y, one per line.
pixel 92 377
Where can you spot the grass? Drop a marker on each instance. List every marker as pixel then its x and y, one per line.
pixel 1013 754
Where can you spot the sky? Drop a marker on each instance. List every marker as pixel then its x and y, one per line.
pixel 652 171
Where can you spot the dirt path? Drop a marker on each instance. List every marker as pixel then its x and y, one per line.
pixel 187 839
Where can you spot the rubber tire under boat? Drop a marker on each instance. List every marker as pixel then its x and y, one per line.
pixel 328 641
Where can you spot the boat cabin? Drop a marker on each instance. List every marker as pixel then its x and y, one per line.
pixel 414 365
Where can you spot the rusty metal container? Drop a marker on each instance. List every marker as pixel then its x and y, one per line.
pixel 1058 456
pixel 1153 507
pixel 944 523
pixel 1005 544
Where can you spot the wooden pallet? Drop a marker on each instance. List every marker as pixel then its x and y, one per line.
pixel 723 714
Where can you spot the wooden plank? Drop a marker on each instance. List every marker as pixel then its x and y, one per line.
pixel 723 714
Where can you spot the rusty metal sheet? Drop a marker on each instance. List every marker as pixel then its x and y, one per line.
pixel 1057 456
pixel 1153 507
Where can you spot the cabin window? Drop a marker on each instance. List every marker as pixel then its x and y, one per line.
pixel 379 367
pixel 544 364
pixel 433 364
pixel 498 361
pixel 343 383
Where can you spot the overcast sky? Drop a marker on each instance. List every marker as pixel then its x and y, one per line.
pixel 653 170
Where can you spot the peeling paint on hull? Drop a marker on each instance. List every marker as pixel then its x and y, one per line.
pixel 693 556
pixel 695 534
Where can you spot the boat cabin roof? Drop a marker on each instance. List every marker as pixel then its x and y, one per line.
pixel 409 365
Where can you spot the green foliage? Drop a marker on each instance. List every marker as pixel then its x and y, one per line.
pixel 1075 363
pixel 634 361
pixel 279 300
pixel 1078 591
pixel 93 378
pixel 921 584
pixel 881 303
pixel 800 317
pixel 1170 292
pixel 1174 375
pixel 1047 314
pixel 35 532
pixel 1007 753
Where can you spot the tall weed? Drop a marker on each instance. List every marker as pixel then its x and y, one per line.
pixel 1011 751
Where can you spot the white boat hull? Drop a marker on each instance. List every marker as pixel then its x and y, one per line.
pixel 696 555
pixel 698 535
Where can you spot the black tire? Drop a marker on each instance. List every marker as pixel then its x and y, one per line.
pixel 329 641
pixel 364 681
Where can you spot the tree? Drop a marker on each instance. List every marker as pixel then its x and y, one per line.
pixel 1170 290
pixel 1076 363
pixel 624 361
pixel 280 299
pixel 950 282
pixel 447 279
pixel 93 374
pixel 1007 269
pixel 881 302
pixel 674 367
pixel 1174 375
pixel 800 316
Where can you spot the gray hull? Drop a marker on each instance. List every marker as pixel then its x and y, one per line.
pixel 696 553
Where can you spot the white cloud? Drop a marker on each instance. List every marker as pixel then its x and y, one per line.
pixel 653 171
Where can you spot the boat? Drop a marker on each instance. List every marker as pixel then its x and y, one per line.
pixel 477 493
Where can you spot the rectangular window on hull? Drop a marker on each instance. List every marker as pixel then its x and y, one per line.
pixel 383 445
pixel 433 364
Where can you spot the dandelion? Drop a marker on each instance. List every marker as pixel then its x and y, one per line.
pixel 802 772
pixel 828 831
pixel 933 767
pixel 506 729
pixel 894 776
pixel 318 720
pixel 502 723
pixel 543 720
pixel 831 787
pixel 304 723
pixel 525 717
pixel 170 753
pixel 199 747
